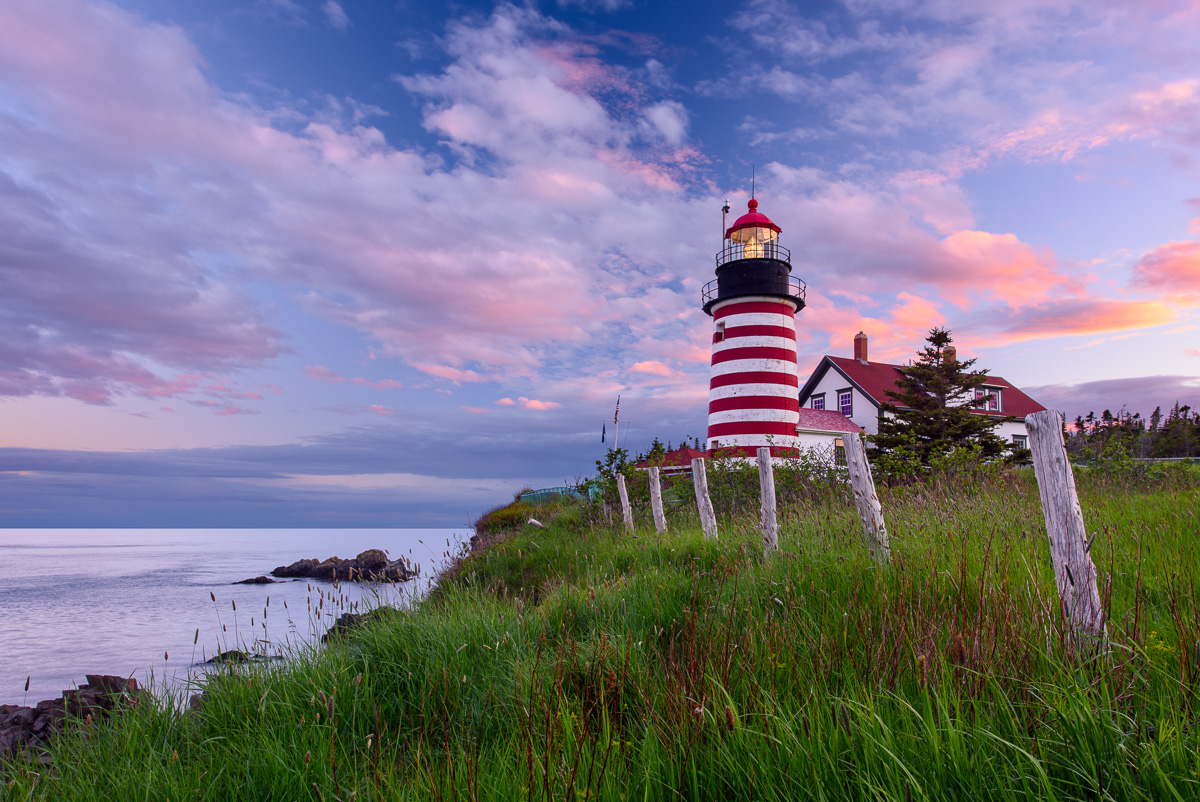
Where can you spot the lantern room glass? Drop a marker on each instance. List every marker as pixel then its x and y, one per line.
pixel 756 241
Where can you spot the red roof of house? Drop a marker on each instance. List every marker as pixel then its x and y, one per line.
pixel 873 378
pixel 679 458
pixel 826 420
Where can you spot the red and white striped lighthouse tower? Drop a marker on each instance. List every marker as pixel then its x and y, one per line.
pixel 753 399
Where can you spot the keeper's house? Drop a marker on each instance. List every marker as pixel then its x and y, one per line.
pixel 855 388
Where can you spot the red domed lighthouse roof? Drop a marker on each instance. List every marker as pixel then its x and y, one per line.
pixel 752 219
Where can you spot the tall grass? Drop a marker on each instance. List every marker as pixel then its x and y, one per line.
pixel 584 663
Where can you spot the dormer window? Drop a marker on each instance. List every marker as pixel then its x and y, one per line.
pixel 991 396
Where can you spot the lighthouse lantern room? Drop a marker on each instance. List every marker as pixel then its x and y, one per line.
pixel 753 396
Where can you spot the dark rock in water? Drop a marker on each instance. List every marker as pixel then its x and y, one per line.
pixel 372 560
pixel 300 568
pixel 257 580
pixel 25 728
pixel 109 684
pixel 328 569
pixel 371 565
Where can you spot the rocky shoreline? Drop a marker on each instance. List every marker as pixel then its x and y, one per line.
pixel 24 729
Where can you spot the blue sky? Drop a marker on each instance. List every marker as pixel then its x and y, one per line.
pixel 319 262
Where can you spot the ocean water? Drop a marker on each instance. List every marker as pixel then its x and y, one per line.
pixel 136 602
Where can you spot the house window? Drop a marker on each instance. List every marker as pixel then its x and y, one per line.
pixel 1020 441
pixel 839 452
pixel 720 334
pixel 845 402
pixel 818 401
pixel 991 396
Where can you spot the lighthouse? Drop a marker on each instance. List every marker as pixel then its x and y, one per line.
pixel 753 399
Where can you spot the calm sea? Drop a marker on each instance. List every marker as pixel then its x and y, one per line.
pixel 136 602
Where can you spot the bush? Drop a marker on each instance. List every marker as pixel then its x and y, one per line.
pixel 507 517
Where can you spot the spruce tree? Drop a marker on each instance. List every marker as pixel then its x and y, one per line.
pixel 931 408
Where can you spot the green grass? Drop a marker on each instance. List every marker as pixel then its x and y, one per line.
pixel 585 663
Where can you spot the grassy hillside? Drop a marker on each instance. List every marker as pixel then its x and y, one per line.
pixel 581 663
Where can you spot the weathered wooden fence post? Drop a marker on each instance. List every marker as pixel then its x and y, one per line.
pixel 766 485
pixel 862 484
pixel 660 520
pixel 626 510
pixel 1070 549
pixel 708 518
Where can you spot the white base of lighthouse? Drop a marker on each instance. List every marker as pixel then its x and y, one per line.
pixel 753 391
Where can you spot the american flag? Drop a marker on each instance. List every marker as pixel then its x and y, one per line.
pixel 617 414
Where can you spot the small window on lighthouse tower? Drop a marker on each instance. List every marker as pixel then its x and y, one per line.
pixel 719 336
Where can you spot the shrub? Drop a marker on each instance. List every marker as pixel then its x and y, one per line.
pixel 507 517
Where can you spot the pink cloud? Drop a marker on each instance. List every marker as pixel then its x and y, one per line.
pixel 235 409
pixel 475 410
pixel 381 410
pixel 533 403
pixel 455 375
pixel 1192 351
pixel 1082 316
pixel 1174 269
pixel 382 384
pixel 1008 268
pixel 654 367
pixel 324 374
pixel 528 403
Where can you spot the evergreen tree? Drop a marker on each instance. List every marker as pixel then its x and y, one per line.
pixel 931 407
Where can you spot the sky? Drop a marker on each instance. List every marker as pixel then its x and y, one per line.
pixel 347 263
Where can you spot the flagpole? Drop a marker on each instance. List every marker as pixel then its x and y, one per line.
pixel 617 423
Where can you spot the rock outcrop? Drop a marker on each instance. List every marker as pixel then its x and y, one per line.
pixel 23 729
pixel 350 621
pixel 371 565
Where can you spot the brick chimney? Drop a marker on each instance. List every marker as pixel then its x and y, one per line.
pixel 860 347
pixel 949 354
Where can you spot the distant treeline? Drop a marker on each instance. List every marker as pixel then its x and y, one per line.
pixel 1175 434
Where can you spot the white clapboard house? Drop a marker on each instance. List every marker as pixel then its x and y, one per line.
pixel 855 388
